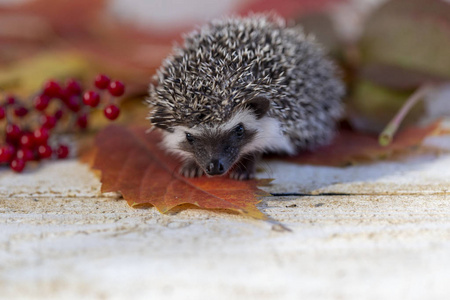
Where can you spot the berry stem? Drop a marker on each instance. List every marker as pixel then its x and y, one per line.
pixel 71 123
pixel 9 114
pixel 108 98
pixel 386 136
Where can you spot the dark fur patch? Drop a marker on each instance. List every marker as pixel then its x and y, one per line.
pixel 259 105
pixel 213 144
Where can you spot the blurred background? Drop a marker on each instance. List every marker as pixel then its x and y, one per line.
pixel 126 38
pixel 386 49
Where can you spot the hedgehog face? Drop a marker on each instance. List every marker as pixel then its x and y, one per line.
pixel 217 148
pixel 214 148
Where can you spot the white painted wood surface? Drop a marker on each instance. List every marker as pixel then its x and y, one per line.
pixel 61 239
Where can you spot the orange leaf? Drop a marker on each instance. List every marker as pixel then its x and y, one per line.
pixel 350 146
pixel 132 163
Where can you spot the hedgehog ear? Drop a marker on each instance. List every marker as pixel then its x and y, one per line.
pixel 260 106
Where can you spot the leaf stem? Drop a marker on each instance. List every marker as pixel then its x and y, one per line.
pixel 386 136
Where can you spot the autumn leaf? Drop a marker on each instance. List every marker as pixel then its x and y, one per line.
pixel 349 146
pixel 404 46
pixel 63 16
pixel 372 106
pixel 27 76
pixel 31 30
pixel 408 35
pixel 132 163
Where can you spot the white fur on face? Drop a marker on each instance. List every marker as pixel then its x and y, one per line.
pixel 172 140
pixel 268 138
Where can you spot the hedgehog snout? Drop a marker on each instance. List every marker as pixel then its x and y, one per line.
pixel 215 162
pixel 215 167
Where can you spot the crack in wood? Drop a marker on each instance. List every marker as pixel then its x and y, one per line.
pixel 306 194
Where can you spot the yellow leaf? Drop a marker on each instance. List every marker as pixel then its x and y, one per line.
pixel 27 76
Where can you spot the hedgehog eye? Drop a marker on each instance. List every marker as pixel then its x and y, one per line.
pixel 189 137
pixel 239 130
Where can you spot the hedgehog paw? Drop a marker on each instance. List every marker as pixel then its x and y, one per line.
pixel 241 174
pixel 191 169
pixel 245 169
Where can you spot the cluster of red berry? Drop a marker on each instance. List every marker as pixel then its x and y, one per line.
pixel 28 130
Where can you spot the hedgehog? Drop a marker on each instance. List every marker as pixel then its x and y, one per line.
pixel 239 87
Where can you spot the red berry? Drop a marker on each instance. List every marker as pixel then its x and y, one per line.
pixel 91 98
pixel 74 103
pixel 20 111
pixel 62 151
pixel 24 154
pixel 13 132
pixel 6 153
pixel 82 121
pixel 52 89
pixel 10 99
pixel 116 88
pixel 44 151
pixel 27 140
pixel 64 95
pixel 17 165
pixel 48 121
pixel 41 102
pixel 101 81
pixel 2 113
pixel 58 114
pixel 73 86
pixel 41 136
pixel 111 112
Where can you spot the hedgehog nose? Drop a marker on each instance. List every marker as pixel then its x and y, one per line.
pixel 215 167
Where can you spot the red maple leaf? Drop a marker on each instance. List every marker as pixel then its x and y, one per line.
pixel 132 163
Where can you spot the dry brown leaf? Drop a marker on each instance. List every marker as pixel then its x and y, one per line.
pixel 349 146
pixel 132 163
pixel 65 17
pixel 405 43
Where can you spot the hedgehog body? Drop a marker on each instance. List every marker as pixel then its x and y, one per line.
pixel 256 73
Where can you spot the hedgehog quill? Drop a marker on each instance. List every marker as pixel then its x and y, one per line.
pixel 242 86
